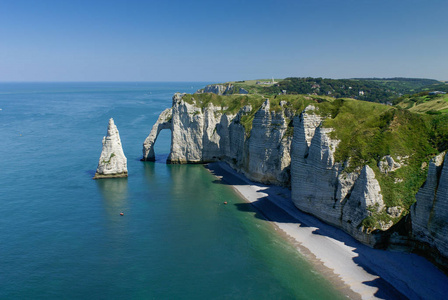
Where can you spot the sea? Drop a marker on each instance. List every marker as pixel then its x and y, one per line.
pixel 61 232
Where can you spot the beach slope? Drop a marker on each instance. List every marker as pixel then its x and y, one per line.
pixel 356 269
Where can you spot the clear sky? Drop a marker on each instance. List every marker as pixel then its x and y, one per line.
pixel 220 41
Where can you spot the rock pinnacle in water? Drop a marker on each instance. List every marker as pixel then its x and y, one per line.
pixel 112 161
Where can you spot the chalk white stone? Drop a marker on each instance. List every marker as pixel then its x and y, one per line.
pixel 319 184
pixel 112 161
pixel 163 122
pixel 387 164
pixel 218 89
pixel 430 213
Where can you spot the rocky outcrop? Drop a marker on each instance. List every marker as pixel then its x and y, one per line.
pixel 313 168
pixel 112 161
pixel 209 134
pixel 429 214
pixel 187 132
pixel 221 89
pixel 364 201
pixel 349 198
pixel 322 187
pixel 269 154
pixel 163 122
pixel 218 89
pixel 388 164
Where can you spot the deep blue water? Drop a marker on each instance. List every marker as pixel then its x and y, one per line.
pixel 61 233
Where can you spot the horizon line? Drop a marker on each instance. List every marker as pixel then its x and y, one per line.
pixel 202 81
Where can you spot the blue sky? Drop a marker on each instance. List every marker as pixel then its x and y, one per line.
pixel 221 40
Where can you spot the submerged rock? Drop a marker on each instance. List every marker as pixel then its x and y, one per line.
pixel 112 161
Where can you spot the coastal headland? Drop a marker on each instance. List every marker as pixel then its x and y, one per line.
pixel 373 174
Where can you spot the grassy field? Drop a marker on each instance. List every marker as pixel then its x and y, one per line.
pixel 424 103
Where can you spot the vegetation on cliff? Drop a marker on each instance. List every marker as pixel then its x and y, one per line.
pixel 368 132
pixel 368 89
pixel 232 104
pixel 380 90
pixel 424 102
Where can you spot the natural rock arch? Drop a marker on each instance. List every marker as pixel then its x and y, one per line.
pixel 163 122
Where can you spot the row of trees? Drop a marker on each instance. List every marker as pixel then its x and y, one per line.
pixel 372 89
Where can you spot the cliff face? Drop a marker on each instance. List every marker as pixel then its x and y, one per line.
pixel 350 198
pixel 429 214
pixel 112 161
pixel 206 135
pixel 321 187
pixel 268 156
pixel 220 89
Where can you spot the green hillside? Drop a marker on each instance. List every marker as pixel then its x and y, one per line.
pixel 424 103
pixel 373 90
pixel 380 90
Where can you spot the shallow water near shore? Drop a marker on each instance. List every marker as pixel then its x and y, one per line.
pixel 61 232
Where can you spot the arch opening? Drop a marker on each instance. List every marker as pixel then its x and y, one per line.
pixel 162 145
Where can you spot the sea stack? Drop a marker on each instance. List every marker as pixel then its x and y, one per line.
pixel 112 162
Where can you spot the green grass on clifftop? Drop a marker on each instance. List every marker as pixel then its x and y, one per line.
pixel 231 104
pixel 424 103
pixel 367 132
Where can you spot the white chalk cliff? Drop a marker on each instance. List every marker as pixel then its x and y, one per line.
pixel 206 135
pixel 220 89
pixel 305 161
pixel 430 213
pixel 163 122
pixel 320 186
pixel 112 161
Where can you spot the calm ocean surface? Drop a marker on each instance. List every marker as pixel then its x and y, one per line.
pixel 61 235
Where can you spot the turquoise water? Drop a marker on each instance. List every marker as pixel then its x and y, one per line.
pixel 61 233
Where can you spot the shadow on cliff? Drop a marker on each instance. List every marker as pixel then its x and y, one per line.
pixel 265 208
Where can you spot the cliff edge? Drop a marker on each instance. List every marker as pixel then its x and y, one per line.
pixel 355 165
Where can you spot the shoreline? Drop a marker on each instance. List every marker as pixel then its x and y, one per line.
pixel 356 270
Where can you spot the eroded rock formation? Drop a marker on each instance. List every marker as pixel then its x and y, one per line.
pixel 206 135
pixel 218 89
pixel 163 122
pixel 321 187
pixel 112 161
pixel 349 198
pixel 221 89
pixel 429 214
